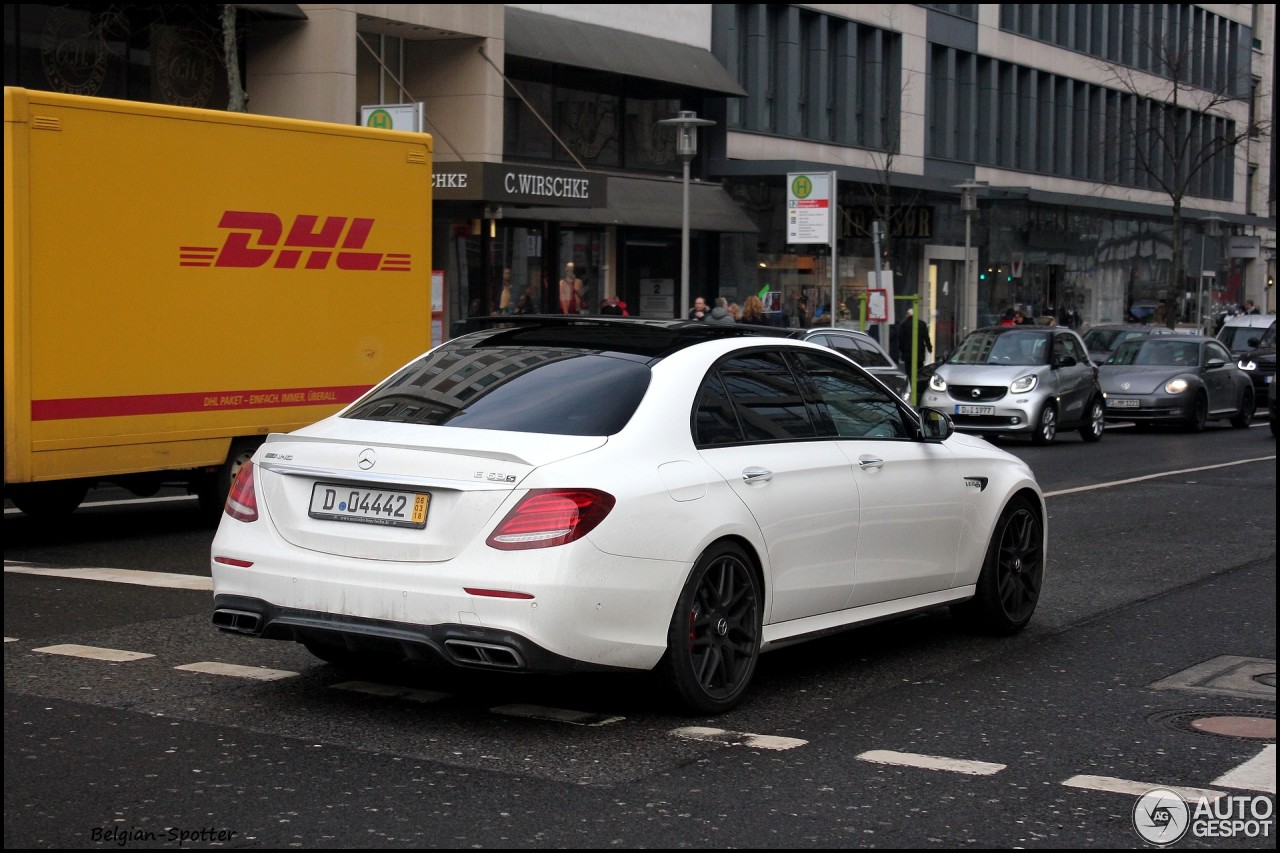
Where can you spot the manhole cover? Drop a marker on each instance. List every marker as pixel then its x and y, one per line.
pixel 1218 724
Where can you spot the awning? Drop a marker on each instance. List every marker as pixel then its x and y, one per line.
pixel 653 204
pixel 550 39
pixel 286 11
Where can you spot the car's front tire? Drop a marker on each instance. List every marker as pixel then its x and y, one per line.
pixel 1245 416
pixel 1046 425
pixel 1012 574
pixel 1199 413
pixel 1097 422
pixel 713 642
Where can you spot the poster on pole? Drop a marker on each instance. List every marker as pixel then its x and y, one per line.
pixel 810 207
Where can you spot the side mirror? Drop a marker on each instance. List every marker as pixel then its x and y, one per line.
pixel 935 425
pixel 1214 362
pixel 1064 361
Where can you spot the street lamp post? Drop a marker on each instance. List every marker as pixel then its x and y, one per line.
pixel 1210 227
pixel 686 124
pixel 969 295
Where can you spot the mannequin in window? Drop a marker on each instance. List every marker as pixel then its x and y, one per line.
pixel 570 290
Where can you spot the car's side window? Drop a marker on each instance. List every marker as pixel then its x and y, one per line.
pixel 1216 350
pixel 714 420
pixel 850 404
pixel 760 392
pixel 1072 348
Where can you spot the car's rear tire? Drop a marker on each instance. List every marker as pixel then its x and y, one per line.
pixel 713 642
pixel 1245 416
pixel 1012 574
pixel 1097 422
pixel 1046 425
pixel 1199 413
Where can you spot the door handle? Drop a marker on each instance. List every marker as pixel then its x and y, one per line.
pixel 756 475
pixel 866 462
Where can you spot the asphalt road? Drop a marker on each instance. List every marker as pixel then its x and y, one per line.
pixel 1150 663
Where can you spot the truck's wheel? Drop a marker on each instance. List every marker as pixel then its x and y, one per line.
pixel 48 500
pixel 212 490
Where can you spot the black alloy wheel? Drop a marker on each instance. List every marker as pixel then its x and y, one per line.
pixel 1009 586
pixel 1199 413
pixel 713 643
pixel 1092 429
pixel 1244 417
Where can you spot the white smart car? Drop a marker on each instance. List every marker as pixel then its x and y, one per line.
pixel 569 494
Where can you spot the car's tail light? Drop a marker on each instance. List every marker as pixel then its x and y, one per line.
pixel 242 501
pixel 548 517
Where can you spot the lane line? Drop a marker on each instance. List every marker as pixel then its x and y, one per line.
pixel 257 673
pixel 1115 483
pixel 728 738
pixel 93 653
pixel 1256 774
pixel 168 580
pixel 1112 785
pixel 931 762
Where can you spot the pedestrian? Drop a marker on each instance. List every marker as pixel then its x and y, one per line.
pixel 753 310
pixel 699 310
pixel 924 345
pixel 1250 308
pixel 720 315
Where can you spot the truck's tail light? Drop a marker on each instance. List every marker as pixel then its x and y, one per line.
pixel 242 501
pixel 548 517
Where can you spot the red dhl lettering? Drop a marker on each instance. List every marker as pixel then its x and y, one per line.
pixel 258 239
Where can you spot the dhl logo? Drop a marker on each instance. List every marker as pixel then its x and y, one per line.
pixel 257 239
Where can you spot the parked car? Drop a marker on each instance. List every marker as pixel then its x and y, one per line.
pixel 575 494
pixel 1260 362
pixel 1182 379
pixel 1103 339
pixel 1020 380
pixel 864 350
pixel 1241 333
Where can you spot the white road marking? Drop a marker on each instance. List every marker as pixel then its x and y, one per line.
pixel 556 715
pixel 391 691
pixel 257 673
pixel 93 653
pixel 13 510
pixel 11 639
pixel 728 738
pixel 931 762
pixel 1111 785
pixel 1256 774
pixel 1114 483
pixel 168 580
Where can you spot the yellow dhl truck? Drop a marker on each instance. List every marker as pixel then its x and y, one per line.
pixel 178 283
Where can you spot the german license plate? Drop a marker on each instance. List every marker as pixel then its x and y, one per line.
pixel 975 410
pixel 366 505
pixel 1121 403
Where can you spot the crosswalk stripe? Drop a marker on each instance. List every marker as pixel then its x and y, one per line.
pixel 257 673
pixel 931 762
pixel 168 580
pixel 93 653
pixel 728 738
pixel 1112 785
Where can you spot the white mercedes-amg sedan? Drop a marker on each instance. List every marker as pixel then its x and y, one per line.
pixel 574 493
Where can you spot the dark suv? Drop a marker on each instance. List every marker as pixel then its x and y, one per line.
pixel 1260 362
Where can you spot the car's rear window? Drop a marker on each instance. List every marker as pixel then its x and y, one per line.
pixel 522 389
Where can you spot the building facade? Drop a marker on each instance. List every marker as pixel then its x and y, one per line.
pixel 1082 125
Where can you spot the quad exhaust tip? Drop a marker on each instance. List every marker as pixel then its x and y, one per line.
pixel 238 621
pixel 484 654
